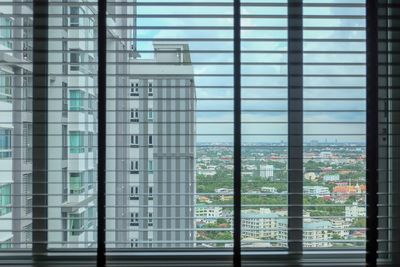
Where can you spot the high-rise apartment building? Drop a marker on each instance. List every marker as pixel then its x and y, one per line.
pixel 161 135
pixel 150 132
pixel 15 125
pixel 72 130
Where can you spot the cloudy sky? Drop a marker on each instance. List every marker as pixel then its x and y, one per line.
pixel 264 69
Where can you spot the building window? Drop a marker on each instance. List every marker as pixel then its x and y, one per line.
pixel 150 89
pixel 91 216
pixel 150 193
pixel 134 193
pixel 27 141
pixel 64 99
pixel 27 187
pixel 134 115
pixel 27 91
pixel 90 141
pixel 134 89
pixel 90 179
pixel 91 101
pixel 76 98
pixel 76 223
pixel 150 165
pixel 134 140
pixel 150 116
pixel 74 19
pixel 64 57
pixel 134 166
pixel 5 199
pixel 150 140
pixel 64 141
pixel 75 59
pixel 64 173
pixel 28 234
pixel 91 27
pixel 150 222
pixel 5 143
pixel 134 219
pixel 76 142
pixel 6 244
pixel 64 223
pixel 5 87
pixel 6 32
pixel 76 183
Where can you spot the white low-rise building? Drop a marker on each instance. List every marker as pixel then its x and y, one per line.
pixel 207 213
pixel 331 178
pixel 316 191
pixel 317 234
pixel 355 211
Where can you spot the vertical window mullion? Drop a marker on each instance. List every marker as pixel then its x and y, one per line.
pixel 295 126
pixel 237 135
pixel 372 132
pixel 39 130
pixel 393 14
pixel 101 179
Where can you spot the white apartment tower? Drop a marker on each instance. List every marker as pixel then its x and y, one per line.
pixel 72 127
pixel 73 85
pixel 267 171
pixel 161 110
pixel 15 125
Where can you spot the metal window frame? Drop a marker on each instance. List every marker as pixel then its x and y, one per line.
pixel 39 128
pixel 372 132
pixel 101 109
pixel 393 47
pixel 237 149
pixel 295 127
pixel 40 60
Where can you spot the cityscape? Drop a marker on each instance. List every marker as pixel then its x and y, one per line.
pixel 169 130
pixel 334 194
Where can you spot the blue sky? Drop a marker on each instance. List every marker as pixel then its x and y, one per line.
pixel 264 106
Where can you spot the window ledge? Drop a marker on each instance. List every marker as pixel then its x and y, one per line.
pixel 197 258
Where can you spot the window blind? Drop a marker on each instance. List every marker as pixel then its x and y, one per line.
pixel 169 145
pixel 387 131
pixel 72 125
pixel 15 125
pixel 334 124
pixel 225 127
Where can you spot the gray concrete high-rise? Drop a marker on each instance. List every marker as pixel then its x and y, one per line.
pixel 162 153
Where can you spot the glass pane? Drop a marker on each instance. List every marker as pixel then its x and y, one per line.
pixel 334 126
pixel 264 125
pixel 72 124
pixel 169 146
pixel 15 125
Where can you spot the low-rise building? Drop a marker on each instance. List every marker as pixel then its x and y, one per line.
pixel 331 178
pixel 310 176
pixel 355 211
pixel 317 234
pixel 208 214
pixel 316 191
